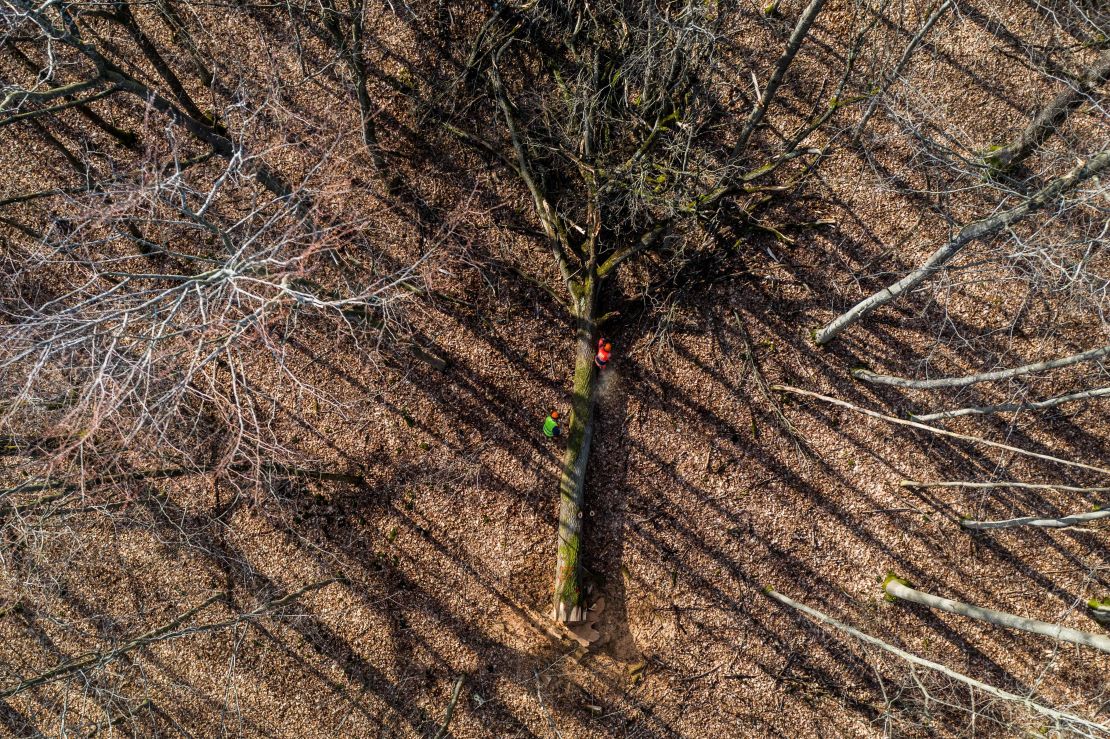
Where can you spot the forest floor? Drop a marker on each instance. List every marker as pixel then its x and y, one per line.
pixel 704 488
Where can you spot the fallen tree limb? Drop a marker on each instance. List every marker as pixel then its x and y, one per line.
pixel 95 659
pixel 935 430
pixel 1000 484
pixel 900 67
pixel 764 389
pixel 972 232
pixel 801 30
pixel 28 115
pixel 166 632
pixel 1062 522
pixel 1050 117
pixel 35 486
pixel 1036 405
pixel 1061 718
pixel 1004 374
pixel 900 589
pixel 442 732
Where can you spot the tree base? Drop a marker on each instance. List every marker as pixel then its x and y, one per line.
pixel 564 613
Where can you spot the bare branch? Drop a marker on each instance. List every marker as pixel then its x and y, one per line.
pixel 898 588
pixel 1025 369
pixel 1061 522
pixel 801 30
pixel 967 234
pixel 1060 718
pixel 935 430
pixel 1050 117
pixel 1000 484
pixel 900 67
pixel 1033 405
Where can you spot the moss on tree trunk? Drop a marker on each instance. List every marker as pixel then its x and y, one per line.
pixel 569 607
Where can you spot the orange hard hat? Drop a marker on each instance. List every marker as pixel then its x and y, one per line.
pixel 554 414
pixel 608 347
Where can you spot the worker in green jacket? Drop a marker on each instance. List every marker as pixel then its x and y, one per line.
pixel 551 425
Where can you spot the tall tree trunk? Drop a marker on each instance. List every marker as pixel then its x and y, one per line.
pixel 569 607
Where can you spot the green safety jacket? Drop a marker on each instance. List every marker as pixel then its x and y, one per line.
pixel 549 426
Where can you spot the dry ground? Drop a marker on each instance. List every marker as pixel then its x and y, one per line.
pixel 700 495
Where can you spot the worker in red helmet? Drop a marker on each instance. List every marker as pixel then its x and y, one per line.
pixel 604 351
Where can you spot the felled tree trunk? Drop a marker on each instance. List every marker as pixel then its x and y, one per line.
pixel 569 607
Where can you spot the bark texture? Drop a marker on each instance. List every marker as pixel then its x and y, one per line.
pixel 569 607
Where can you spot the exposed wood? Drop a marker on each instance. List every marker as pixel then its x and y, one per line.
pixel 1033 405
